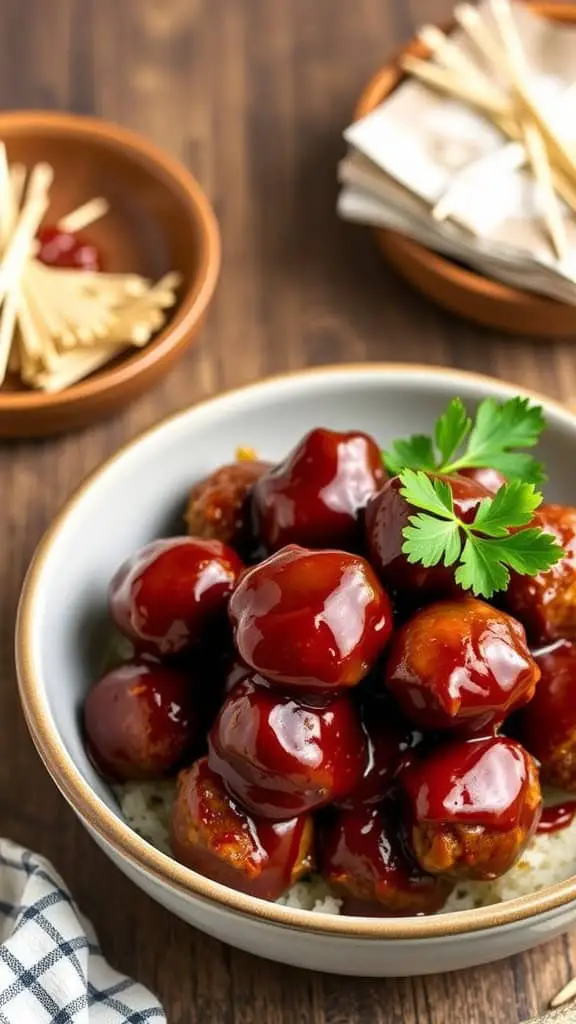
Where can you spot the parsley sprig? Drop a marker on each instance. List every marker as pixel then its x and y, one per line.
pixel 484 550
pixel 459 443
pixel 500 538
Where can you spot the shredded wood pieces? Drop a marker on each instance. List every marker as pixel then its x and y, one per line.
pixel 513 109
pixel 57 325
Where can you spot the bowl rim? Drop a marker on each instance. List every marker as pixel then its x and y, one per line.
pixel 126 844
pixel 195 207
pixel 381 85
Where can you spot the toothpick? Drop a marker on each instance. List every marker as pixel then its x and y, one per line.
pixel 7 328
pixel 565 995
pixel 559 148
pixel 74 366
pixel 471 22
pixel 50 312
pixel 448 82
pixel 17 253
pixel 6 212
pixel 452 57
pixel 514 59
pixel 84 215
pixel 538 158
pixel 57 325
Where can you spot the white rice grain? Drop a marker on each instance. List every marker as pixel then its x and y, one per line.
pixel 549 858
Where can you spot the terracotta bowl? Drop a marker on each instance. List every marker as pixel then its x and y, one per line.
pixel 449 284
pixel 159 220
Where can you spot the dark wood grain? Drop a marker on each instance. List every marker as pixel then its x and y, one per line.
pixel 252 95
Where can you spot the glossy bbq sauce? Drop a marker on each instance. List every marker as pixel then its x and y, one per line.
pixel 556 818
pixel 477 782
pixel 67 250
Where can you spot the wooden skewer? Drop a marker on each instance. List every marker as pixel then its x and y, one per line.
pixel 76 365
pixel 136 326
pixel 14 360
pixel 35 338
pixel 35 206
pixel 467 17
pixel 6 205
pixel 514 60
pixel 565 994
pixel 137 320
pixel 121 285
pixel 473 24
pixel 44 310
pixel 7 328
pixel 446 81
pixel 558 147
pixel 50 312
pixel 471 21
pixel 18 176
pixel 36 314
pixel 452 57
pixel 538 158
pixel 84 215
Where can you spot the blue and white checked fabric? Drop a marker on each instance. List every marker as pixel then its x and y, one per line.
pixel 51 968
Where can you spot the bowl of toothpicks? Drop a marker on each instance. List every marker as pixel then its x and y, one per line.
pixel 109 255
pixel 462 156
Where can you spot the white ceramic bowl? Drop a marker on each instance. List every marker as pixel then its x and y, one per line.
pixel 137 496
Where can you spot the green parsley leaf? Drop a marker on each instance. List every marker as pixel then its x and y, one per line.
pixel 429 541
pixel 518 466
pixel 479 570
pixel 498 429
pixel 498 540
pixel 416 452
pixel 427 492
pixel 529 551
pixel 511 424
pixel 513 505
pixel 451 429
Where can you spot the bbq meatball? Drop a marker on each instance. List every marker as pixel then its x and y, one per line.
pixel 365 859
pixel 311 621
pixel 390 743
pixel 212 834
pixel 547 725
pixel 140 721
pixel 280 757
pixel 315 496
pixel 460 664
pixel 171 592
pixel 472 807
pixel 386 516
pixel 219 507
pixel 546 603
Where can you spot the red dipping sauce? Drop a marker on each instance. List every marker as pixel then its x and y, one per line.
pixel 556 818
pixel 66 250
pixel 475 782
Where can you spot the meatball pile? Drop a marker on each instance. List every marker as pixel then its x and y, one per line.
pixel 327 706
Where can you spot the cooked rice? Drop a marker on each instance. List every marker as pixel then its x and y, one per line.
pixel 549 858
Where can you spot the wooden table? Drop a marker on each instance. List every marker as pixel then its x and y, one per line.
pixel 252 95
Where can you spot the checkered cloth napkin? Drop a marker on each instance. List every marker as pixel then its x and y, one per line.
pixel 51 968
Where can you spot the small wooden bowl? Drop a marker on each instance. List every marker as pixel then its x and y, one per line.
pixel 450 285
pixel 159 220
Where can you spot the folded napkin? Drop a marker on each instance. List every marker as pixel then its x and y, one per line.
pixel 51 967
